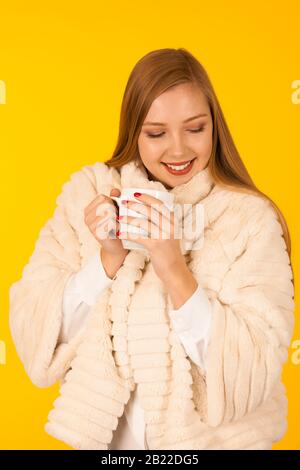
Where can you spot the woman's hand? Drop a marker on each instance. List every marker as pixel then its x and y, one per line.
pixel 164 248
pixel 100 217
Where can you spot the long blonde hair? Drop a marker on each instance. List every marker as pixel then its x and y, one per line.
pixel 152 75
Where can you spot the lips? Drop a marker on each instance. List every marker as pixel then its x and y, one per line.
pixel 175 164
pixel 179 172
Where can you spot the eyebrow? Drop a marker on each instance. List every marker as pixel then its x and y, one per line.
pixel 163 123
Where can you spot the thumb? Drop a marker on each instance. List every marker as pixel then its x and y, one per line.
pixel 115 192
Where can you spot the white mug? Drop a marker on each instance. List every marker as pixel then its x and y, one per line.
pixel 128 194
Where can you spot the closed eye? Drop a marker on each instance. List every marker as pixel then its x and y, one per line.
pixel 194 131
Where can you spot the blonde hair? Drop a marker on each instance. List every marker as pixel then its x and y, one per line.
pixel 152 75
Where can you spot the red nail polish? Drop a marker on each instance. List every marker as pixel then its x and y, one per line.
pixel 125 202
pixel 137 194
pixel 117 233
pixel 119 217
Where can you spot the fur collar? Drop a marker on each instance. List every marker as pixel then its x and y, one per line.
pixel 187 193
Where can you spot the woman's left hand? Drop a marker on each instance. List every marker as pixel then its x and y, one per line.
pixel 159 223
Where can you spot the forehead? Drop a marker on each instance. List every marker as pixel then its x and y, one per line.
pixel 180 101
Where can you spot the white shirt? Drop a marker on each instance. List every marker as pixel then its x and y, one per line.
pixel 191 322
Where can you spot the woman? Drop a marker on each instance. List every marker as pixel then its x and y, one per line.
pixel 218 387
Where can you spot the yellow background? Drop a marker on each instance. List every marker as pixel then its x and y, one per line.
pixel 65 65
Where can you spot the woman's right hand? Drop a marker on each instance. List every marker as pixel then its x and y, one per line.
pixel 100 218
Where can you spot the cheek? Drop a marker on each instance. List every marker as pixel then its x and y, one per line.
pixel 150 150
pixel 204 146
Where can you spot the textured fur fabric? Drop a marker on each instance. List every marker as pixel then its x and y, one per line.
pixel 128 341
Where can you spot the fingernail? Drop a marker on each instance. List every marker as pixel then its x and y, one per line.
pixel 119 217
pixel 137 194
pixel 125 202
pixel 117 233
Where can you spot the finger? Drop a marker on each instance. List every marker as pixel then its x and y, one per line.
pixel 164 223
pixel 91 218
pixel 99 198
pixel 150 229
pixel 137 239
pixel 115 192
pixel 100 221
pixel 163 231
pixel 159 205
pixel 107 229
pixel 156 213
pixel 103 208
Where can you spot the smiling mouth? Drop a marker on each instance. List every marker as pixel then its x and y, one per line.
pixel 179 169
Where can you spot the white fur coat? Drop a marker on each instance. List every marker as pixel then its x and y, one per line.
pixel 128 342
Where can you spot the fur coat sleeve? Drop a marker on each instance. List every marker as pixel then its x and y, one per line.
pixel 253 312
pixel 36 299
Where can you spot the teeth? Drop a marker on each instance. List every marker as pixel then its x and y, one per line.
pixel 181 167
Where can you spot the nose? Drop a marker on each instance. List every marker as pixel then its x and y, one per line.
pixel 177 146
